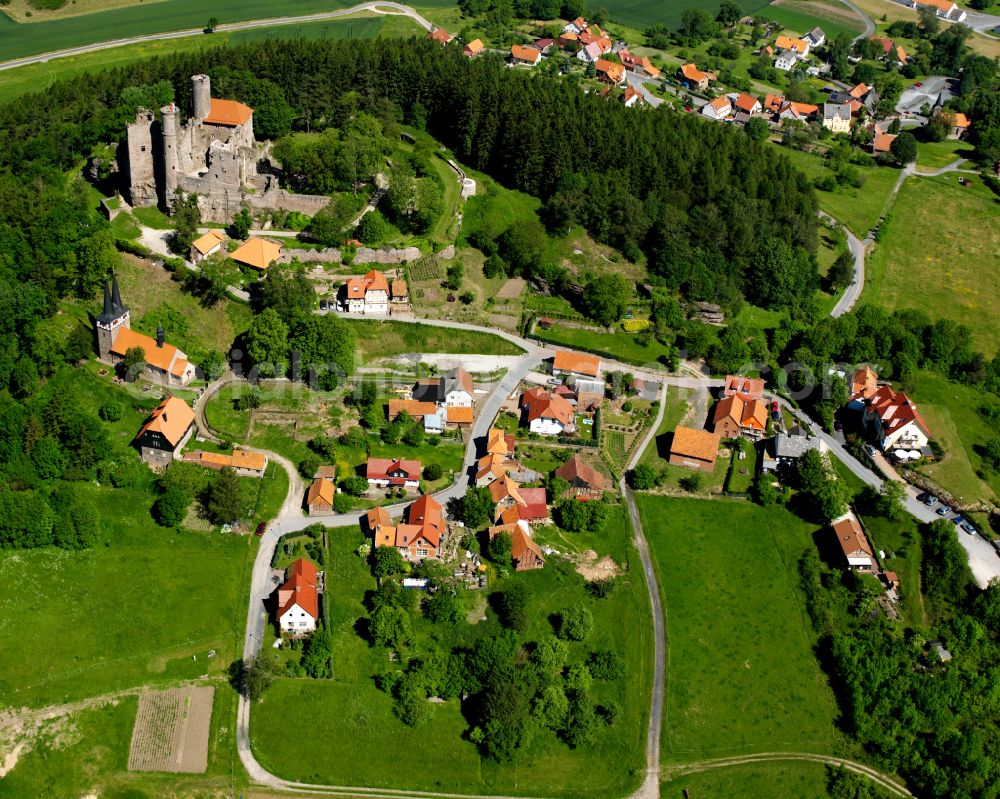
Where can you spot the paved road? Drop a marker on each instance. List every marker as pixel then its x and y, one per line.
pixel 853 291
pixel 638 82
pixel 372 8
pixel 869 25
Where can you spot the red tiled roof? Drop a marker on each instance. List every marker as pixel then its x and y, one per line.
pixel 382 468
pixel 577 362
pixel 229 113
pixel 576 469
pixel 535 507
pixel 300 589
pixel 544 405
pixel 746 387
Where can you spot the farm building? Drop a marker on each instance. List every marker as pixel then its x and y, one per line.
pixel 694 449
pixel 169 426
pixel 298 599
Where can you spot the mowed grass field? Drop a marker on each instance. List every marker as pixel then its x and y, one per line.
pixel 741 673
pixel 384 339
pixel 643 13
pixel 778 780
pixel 135 610
pixel 801 16
pixel 940 252
pixel 23 39
pixel 354 738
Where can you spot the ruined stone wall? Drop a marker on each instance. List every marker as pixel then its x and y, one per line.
pixel 138 168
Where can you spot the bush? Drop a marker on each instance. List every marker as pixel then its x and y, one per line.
pixel 432 471
pixel 606 665
pixel 341 503
pixel 171 506
pixel 575 623
pixel 356 485
pixel 111 411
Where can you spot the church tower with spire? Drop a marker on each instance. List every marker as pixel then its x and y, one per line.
pixel 113 318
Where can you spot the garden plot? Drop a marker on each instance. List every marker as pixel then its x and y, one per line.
pixel 171 731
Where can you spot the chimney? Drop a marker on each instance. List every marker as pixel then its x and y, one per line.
pixel 160 337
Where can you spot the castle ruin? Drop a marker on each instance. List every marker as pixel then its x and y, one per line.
pixel 213 155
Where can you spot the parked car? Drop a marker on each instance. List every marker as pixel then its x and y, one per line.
pixel 930 500
pixel 261 529
pixel 944 510
pixel 554 381
pixel 323 305
pixel 958 519
pixel 969 528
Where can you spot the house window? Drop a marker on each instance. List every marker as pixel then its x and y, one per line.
pixel 422 553
pixel 303 624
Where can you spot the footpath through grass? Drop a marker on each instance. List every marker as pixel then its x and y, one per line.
pixel 940 252
pixel 741 673
pixel 355 739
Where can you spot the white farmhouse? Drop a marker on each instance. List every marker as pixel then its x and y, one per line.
pixel 298 599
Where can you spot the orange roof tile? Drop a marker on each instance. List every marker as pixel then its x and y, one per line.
pixel 321 491
pixel 171 419
pixel 459 415
pixel 258 253
pixel 166 358
pixel 415 408
pixel 300 589
pixel 229 113
pixel 527 54
pixel 691 72
pixel 239 459
pixel 474 47
pixel 205 244
pixel 577 362
pixel 441 36
pixel 746 102
pixel 699 444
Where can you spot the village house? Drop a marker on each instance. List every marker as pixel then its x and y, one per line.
pixel 165 432
pixel 416 539
pixel 632 97
pixel 568 41
pixel 815 37
pixel 859 97
pixel 610 72
pixel 298 599
pixel 394 472
pixel 736 417
pixel 837 117
pixel 719 108
pixel 589 393
pixel 544 45
pixel 576 27
pixel 366 295
pixel 785 449
pixel 519 54
pixel 434 423
pixel 691 77
pixel 585 482
pixel 797 112
pixel 458 416
pixel 786 60
pixel 589 53
pixel 241 461
pixel 944 8
pixel 800 47
pixel 862 386
pixel 575 364
pixel 440 35
pixel 747 103
pixel 694 449
pixel 894 421
pixel 320 496
pixel 399 292
pixel 959 125
pixel 257 253
pixel 209 244
pixel 525 553
pixel 513 502
pixel 546 413
pixel 852 542
pixel 164 363
pixel 473 48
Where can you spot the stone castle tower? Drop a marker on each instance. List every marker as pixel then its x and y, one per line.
pixel 114 317
pixel 142 178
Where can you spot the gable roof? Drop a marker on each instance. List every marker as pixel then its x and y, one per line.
pixel 575 469
pixel 527 54
pixel 171 419
pixel 321 490
pixel 400 289
pixel 859 91
pixel 497 441
pixel 691 72
pixel 381 468
pixel 747 387
pixel 299 589
pixel 747 102
pixel 258 253
pixel 474 46
pixel 851 537
pixel 440 35
pixel 238 459
pixel 459 415
pixel 534 506
pixel 505 488
pixel 746 413
pixel 166 358
pixel 593 50
pixel 864 382
pixel 787 43
pixel 836 111
pixel 615 72
pixel 882 142
pixel 648 68
pixel 631 96
pixel 378 517
pixel 698 444
pixel 721 104
pixel 521 540
pixel 228 113
pixel 208 242
pixel 545 405
pixel 895 410
pixel 457 379
pixel 577 362
pixel 414 408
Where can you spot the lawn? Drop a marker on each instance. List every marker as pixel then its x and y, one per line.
pixel 957 264
pixel 133 610
pixel 741 673
pixel 932 156
pixel 385 339
pixel 859 209
pixel 951 411
pixel 643 13
pixel 353 720
pixel 801 17
pixel 620 345
pixel 752 781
